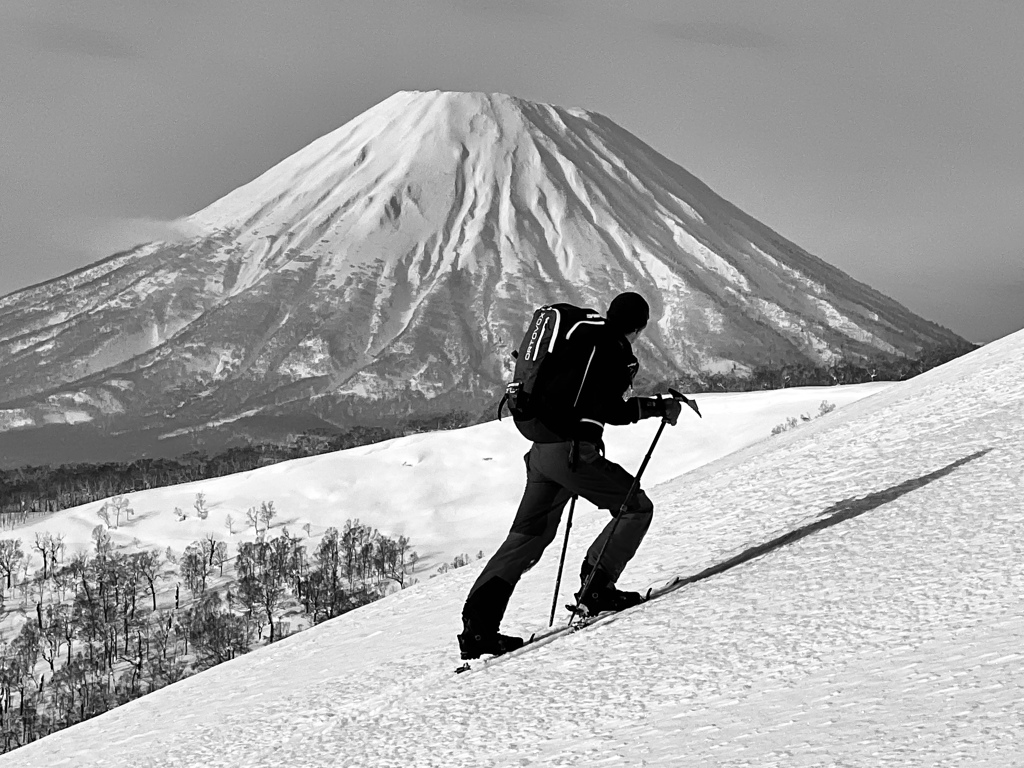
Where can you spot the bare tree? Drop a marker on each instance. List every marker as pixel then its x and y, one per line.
pixel 11 556
pixel 51 632
pixel 149 565
pixel 25 586
pixel 121 506
pixel 209 547
pixel 252 516
pixel 64 581
pixel 42 546
pixel 267 513
pixel 217 634
pixel 57 550
pixel 104 544
pixel 193 568
pixel 263 570
pixel 220 555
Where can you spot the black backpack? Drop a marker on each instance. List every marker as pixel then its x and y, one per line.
pixel 551 365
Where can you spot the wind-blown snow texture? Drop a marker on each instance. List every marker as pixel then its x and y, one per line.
pixel 395 261
pixel 885 628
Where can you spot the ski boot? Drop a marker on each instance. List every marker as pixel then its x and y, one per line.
pixel 602 595
pixel 474 642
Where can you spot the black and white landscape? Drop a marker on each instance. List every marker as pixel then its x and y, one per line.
pixel 873 617
pixel 263 264
pixel 389 268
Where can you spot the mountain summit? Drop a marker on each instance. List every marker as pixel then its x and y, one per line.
pixel 387 269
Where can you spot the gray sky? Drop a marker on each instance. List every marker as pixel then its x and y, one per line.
pixel 885 137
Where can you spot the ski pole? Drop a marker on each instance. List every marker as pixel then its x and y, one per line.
pixel 632 490
pixel 561 563
pixel 622 510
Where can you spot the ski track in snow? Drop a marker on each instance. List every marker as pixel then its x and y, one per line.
pixel 886 630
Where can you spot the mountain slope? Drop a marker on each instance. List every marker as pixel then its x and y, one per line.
pixel 450 493
pixel 891 636
pixel 390 266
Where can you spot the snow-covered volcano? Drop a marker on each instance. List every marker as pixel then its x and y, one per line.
pixel 388 268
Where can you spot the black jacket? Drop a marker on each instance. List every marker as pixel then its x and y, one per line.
pixel 608 372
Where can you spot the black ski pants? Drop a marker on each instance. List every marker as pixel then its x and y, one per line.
pixel 552 478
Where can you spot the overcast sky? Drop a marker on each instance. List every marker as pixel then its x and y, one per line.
pixel 885 137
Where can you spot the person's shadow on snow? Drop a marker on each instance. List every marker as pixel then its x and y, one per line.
pixel 840 512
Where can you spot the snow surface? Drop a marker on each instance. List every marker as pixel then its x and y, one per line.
pixel 450 493
pixel 882 627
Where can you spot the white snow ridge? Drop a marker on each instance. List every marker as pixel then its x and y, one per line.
pixel 876 622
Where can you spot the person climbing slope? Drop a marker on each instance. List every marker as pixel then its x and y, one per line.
pixel 572 395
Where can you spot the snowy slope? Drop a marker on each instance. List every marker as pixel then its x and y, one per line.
pixel 389 268
pixel 890 634
pixel 450 493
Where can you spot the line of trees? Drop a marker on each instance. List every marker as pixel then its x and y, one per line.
pixel 100 628
pixel 34 491
pixel 31 491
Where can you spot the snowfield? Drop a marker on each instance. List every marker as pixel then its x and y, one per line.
pixel 450 493
pixel 874 616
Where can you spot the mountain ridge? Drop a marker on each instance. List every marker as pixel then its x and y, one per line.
pixel 389 266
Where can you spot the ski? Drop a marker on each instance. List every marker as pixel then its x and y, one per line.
pixel 580 620
pixel 537 639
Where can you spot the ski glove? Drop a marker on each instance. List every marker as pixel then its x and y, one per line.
pixel 665 406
